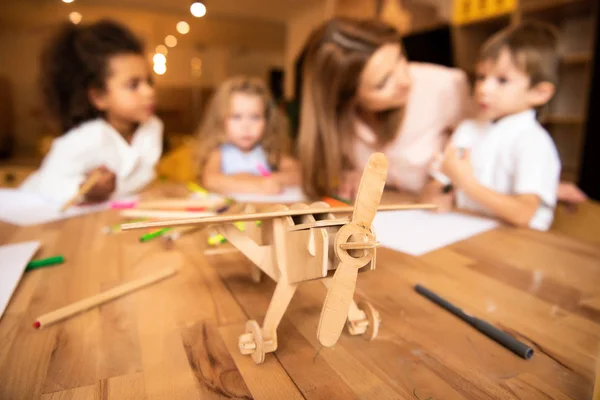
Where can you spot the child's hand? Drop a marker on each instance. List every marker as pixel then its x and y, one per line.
pixel 569 193
pixel 270 185
pixel 434 194
pixel 456 165
pixel 105 186
pixel 444 202
pixel 349 184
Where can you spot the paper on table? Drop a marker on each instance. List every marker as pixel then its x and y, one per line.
pixel 22 208
pixel 417 232
pixel 289 195
pixel 13 260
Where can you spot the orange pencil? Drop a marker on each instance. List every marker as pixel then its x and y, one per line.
pixel 335 202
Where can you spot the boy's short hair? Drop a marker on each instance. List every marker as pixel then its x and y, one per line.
pixel 533 46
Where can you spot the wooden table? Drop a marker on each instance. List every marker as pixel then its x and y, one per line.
pixel 178 338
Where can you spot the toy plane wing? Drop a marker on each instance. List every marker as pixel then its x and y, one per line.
pixel 223 219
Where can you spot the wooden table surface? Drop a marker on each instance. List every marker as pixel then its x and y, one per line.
pixel 178 338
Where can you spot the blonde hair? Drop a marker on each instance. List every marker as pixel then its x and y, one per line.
pixel 275 138
pixel 335 56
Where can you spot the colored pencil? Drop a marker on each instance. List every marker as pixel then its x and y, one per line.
pixel 194 187
pixel 335 202
pixel 85 304
pixel 216 239
pixel 262 170
pixel 154 234
pixel 122 205
pixel 179 232
pixel 44 262
pixel 117 227
pixel 86 187
pixel 181 204
pixel 220 250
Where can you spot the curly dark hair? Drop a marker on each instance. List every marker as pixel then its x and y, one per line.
pixel 75 61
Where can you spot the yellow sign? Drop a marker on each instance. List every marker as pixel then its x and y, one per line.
pixel 473 10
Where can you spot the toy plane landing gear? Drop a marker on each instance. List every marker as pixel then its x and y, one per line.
pixel 307 242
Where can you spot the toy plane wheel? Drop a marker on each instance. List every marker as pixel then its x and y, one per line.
pixel 252 342
pixel 373 318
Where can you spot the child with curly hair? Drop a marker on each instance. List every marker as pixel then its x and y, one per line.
pixel 98 88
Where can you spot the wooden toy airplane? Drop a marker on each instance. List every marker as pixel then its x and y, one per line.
pixel 306 242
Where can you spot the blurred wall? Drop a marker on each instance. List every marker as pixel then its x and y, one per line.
pixel 407 16
pixel 225 46
pixel 298 29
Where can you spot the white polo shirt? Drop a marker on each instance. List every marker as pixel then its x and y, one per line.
pixel 514 155
pixel 93 144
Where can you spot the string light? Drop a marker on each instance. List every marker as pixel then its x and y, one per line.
pixel 75 17
pixel 196 63
pixel 198 9
pixel 162 49
pixel 171 41
pixel 196 67
pixel 183 27
pixel 159 58
pixel 160 69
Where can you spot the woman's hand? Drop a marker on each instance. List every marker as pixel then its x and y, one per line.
pixel 105 186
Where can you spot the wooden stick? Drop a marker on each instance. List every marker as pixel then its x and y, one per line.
pixel 180 204
pixel 359 245
pixel 269 215
pixel 217 251
pixel 100 298
pixel 153 214
pixel 87 185
pixel 176 233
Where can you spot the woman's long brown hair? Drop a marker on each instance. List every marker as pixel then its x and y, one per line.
pixel 275 139
pixel 335 55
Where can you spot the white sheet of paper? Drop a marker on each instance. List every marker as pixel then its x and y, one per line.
pixel 22 208
pixel 417 232
pixel 13 260
pixel 289 195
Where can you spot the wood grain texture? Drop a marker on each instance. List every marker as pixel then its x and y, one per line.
pixel 179 339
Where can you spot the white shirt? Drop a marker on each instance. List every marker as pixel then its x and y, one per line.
pixel 512 156
pixel 437 102
pixel 91 145
pixel 235 161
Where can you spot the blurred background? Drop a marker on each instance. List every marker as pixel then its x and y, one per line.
pixel 194 46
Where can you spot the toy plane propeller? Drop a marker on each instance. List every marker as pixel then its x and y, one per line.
pixel 306 242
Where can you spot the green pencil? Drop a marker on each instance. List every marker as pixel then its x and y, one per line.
pixel 45 262
pixel 347 201
pixel 153 234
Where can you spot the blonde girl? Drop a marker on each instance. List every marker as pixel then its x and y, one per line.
pixel 243 141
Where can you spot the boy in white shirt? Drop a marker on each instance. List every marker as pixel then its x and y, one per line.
pixel 504 163
pixel 98 87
